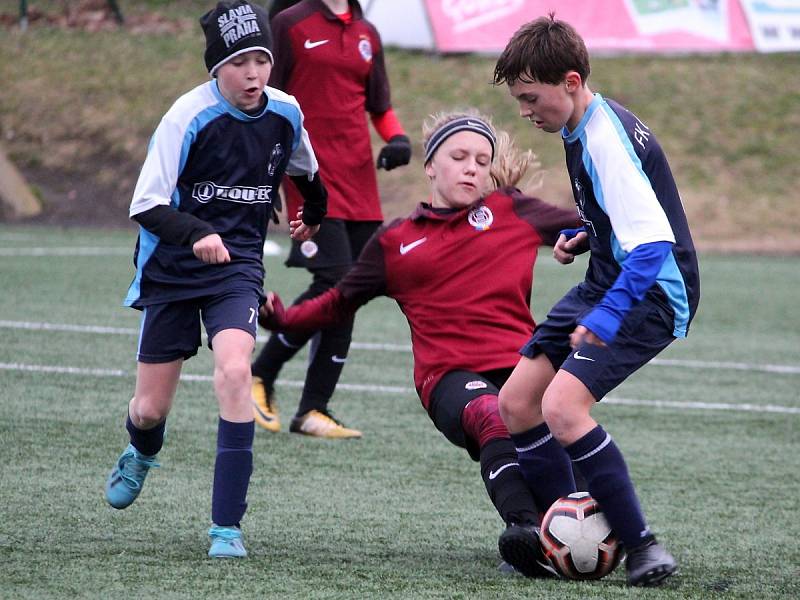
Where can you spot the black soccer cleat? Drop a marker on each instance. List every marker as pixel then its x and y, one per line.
pixel 519 546
pixel 649 565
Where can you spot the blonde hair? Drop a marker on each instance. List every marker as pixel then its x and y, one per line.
pixel 510 165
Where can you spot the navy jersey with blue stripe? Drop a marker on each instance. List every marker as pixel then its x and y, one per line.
pixel 626 197
pixel 221 165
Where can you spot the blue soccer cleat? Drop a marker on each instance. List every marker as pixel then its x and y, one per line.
pixel 127 477
pixel 226 542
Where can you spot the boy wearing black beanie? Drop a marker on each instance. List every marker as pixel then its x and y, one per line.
pixel 203 201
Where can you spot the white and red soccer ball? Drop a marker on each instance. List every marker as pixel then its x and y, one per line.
pixel 578 540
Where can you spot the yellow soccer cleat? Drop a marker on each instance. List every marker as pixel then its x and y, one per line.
pixel 320 424
pixel 265 409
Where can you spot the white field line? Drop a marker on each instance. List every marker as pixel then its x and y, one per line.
pixel 393 389
pixel 67 251
pixel 664 362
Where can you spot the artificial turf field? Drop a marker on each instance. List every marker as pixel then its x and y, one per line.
pixel 710 431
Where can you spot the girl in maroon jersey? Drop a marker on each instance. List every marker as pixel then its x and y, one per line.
pixel 461 269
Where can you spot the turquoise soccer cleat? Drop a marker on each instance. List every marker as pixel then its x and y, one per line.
pixel 127 477
pixel 226 542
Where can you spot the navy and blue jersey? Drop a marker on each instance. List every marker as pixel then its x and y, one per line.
pixel 219 164
pixel 627 197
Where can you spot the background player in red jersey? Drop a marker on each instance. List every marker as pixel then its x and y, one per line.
pixel 331 60
pixel 461 269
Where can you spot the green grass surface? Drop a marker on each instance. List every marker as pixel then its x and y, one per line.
pixel 400 513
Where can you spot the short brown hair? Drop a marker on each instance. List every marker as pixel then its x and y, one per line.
pixel 544 50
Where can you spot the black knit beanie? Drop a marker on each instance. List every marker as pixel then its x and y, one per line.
pixel 233 28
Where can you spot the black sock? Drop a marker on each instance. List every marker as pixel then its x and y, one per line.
pixel 507 489
pixel 146 441
pixel 280 347
pixel 328 355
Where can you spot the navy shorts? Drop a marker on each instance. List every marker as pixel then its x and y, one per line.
pixel 337 244
pixel 451 395
pixel 646 331
pixel 171 331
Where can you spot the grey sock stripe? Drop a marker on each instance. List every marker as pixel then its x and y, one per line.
pixel 537 443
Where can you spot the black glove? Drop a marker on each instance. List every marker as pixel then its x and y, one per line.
pixel 396 153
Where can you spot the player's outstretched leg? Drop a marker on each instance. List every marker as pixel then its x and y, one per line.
pixel 127 477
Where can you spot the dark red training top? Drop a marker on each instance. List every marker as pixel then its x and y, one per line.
pixel 462 279
pixel 337 73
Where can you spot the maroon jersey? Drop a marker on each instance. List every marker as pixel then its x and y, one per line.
pixel 462 279
pixel 336 71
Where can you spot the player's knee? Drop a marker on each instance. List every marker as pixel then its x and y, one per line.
pixel 147 412
pixel 512 405
pixel 233 374
pixel 560 414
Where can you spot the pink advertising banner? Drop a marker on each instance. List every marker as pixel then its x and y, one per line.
pixel 668 26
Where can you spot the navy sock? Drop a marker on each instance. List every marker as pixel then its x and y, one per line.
pixel 232 472
pixel 146 441
pixel 601 462
pixel 544 465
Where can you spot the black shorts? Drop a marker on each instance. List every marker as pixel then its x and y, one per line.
pixel 646 331
pixel 451 395
pixel 337 244
pixel 172 331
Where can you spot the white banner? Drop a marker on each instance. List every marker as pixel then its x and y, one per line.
pixel 774 24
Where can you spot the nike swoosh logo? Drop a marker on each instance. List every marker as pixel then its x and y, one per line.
pixel 578 356
pixel 309 44
pixel 404 249
pixel 494 474
pixel 338 359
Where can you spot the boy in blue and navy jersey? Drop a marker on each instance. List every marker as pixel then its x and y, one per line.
pixel 640 292
pixel 203 201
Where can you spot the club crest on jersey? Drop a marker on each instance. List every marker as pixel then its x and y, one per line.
pixel 275 159
pixel 481 218
pixel 207 191
pixel 365 48
pixel 238 23
pixel 476 385
pixel 580 202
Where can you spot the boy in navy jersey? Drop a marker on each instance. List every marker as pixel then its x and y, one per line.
pixel 203 201
pixel 641 288
pixel 461 269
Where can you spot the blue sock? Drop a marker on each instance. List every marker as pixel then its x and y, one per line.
pixel 601 462
pixel 232 472
pixel 146 441
pixel 544 465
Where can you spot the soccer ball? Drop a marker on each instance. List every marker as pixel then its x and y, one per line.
pixel 578 540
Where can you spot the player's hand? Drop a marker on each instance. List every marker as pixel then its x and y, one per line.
pixel 300 231
pixel 396 153
pixel 581 335
pixel 566 249
pixel 211 250
pixel 271 314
